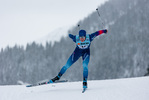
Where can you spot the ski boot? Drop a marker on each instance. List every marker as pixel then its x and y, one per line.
pixel 55 78
pixel 84 84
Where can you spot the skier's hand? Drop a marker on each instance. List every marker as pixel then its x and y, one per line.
pixel 105 31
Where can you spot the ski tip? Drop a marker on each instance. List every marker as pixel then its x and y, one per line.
pixel 28 85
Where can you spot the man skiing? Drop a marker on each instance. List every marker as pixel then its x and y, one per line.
pixel 83 42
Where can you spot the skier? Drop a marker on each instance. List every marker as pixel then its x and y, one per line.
pixel 83 42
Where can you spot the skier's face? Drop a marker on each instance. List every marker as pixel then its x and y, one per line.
pixel 82 38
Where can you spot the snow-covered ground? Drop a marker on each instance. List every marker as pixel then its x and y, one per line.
pixel 119 89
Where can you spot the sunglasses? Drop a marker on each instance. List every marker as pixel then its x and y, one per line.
pixel 82 37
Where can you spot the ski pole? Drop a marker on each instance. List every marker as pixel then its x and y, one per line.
pixel 100 18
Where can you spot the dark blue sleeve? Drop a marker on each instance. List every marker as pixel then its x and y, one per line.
pixel 93 35
pixel 73 37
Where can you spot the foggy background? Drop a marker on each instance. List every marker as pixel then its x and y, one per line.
pixel 25 21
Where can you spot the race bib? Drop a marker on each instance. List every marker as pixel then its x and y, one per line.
pixel 83 45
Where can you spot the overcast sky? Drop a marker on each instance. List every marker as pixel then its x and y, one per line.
pixel 23 21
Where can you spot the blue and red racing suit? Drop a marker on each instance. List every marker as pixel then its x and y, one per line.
pixel 82 49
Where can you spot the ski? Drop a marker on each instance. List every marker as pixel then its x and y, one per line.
pixel 84 89
pixel 43 83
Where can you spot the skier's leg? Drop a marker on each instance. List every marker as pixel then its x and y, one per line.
pixel 72 59
pixel 86 58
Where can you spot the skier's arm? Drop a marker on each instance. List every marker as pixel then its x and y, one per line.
pixel 93 35
pixel 73 37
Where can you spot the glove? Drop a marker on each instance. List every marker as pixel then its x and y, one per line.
pixel 105 31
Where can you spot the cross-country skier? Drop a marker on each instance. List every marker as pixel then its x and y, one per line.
pixel 83 42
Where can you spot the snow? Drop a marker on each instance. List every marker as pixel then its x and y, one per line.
pixel 118 89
